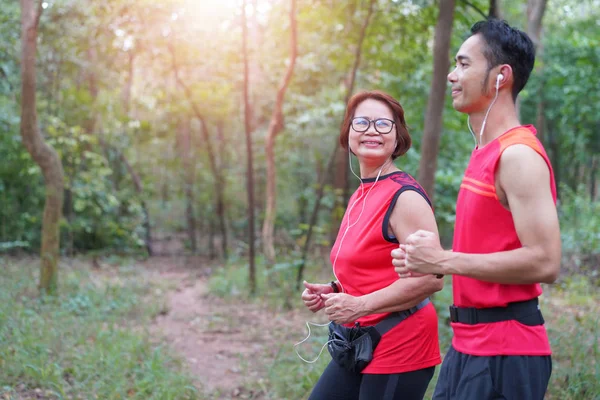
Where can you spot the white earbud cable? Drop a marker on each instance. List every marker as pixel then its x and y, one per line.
pixel 309 323
pixel 484 119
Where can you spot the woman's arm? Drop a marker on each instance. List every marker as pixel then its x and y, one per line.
pixel 411 212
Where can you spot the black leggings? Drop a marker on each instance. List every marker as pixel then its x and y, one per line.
pixel 337 383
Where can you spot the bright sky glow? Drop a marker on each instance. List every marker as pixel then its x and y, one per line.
pixel 212 8
pixel 207 15
pixel 219 14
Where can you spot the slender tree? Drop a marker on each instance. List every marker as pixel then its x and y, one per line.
pixel 333 159
pixel 41 152
pixel 275 127
pixel 340 181
pixel 535 14
pixel 187 151
pixel 249 166
pixel 495 11
pixel 437 95
pixel 216 171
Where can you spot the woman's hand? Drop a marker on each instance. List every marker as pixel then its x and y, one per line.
pixel 342 308
pixel 311 296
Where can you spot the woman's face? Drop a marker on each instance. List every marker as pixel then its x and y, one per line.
pixel 372 146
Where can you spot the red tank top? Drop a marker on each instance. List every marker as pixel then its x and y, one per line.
pixel 483 225
pixel 364 265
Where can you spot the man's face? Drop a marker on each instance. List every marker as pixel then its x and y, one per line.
pixel 469 79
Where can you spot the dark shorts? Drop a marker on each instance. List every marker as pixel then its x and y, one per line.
pixel 337 383
pixel 467 377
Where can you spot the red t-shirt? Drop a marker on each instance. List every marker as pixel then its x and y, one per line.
pixel 364 265
pixel 483 225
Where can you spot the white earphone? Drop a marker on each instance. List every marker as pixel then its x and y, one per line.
pixel 498 79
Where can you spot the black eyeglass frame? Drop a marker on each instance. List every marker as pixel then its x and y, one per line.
pixel 374 121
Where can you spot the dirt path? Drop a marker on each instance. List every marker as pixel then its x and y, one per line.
pixel 228 346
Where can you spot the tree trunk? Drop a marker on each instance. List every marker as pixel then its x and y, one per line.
pixel 221 194
pixel 341 183
pixel 249 154
pixel 42 153
pixel 216 171
pixel 69 214
pixel 90 127
pixel 314 215
pixel 212 253
pixel 275 127
pixel 554 141
pixel 435 104
pixel 129 82
pixel 593 172
pixel 139 190
pixel 137 184
pixel 189 166
pixel 495 11
pixel 333 159
pixel 535 13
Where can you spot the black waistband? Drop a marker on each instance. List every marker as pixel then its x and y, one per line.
pixel 395 318
pixel 526 312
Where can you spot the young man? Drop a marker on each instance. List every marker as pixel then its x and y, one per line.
pixel 506 237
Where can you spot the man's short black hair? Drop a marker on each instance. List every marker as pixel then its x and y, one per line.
pixel 507 45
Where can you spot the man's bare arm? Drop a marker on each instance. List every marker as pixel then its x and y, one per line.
pixel 525 179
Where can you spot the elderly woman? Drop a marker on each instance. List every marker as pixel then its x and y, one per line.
pixel 367 293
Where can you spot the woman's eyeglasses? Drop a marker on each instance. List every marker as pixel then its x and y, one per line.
pixel 382 125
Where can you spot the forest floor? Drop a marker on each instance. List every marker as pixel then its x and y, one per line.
pixel 227 345
pixel 232 346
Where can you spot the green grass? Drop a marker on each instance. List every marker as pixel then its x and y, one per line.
pixel 571 310
pixel 275 286
pixel 86 342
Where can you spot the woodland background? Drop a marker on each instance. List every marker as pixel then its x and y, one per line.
pixel 170 173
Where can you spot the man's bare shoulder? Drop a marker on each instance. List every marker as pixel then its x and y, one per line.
pixel 523 169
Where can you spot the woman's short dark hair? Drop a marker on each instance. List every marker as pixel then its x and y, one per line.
pixel 507 45
pixel 403 137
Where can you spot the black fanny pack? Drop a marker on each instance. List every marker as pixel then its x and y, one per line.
pixel 526 312
pixel 352 347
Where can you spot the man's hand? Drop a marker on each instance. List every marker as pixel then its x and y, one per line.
pixel 419 256
pixel 342 308
pixel 311 296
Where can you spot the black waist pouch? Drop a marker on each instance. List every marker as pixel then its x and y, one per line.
pixel 352 347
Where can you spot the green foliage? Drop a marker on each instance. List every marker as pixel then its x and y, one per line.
pixel 105 71
pixel 567 92
pixel 81 344
pixel 580 222
pixel 276 285
pixel 97 216
pixel 21 190
pixel 580 233
pixel 8 246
